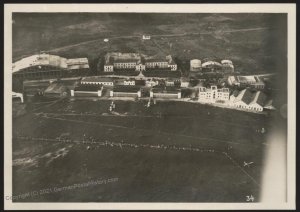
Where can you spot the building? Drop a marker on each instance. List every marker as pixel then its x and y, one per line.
pixel 87 90
pixel 123 61
pixel 246 81
pixel 165 93
pixel 250 100
pixel 213 94
pixel 129 82
pixel 146 37
pixel 97 80
pixel 195 65
pixel 184 82
pixel 126 91
pixel 137 62
pixel 161 63
pixel 18 95
pixel 46 66
pixel 170 82
pixel 151 83
pixel 211 66
pixel 56 89
pixel 227 66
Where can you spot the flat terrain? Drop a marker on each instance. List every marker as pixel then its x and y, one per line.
pixel 173 172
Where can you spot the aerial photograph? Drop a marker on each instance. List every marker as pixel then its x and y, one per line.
pixel 145 107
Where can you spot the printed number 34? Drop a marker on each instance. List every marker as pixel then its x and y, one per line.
pixel 250 198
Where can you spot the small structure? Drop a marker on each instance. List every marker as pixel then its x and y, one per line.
pixel 129 82
pixel 97 80
pixel 170 82
pixel 184 82
pixel 146 37
pixel 18 95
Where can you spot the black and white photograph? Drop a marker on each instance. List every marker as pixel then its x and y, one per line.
pixel 112 106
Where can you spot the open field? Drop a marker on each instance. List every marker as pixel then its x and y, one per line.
pixel 144 173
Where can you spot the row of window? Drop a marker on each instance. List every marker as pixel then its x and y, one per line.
pixel 249 108
pixel 98 83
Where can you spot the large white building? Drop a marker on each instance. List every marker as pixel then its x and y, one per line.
pixel 213 94
pixel 123 61
pixel 161 63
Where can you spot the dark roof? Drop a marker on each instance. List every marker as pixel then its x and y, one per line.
pixel 156 60
pixel 247 97
pixel 165 90
pixel 140 82
pixel 158 69
pixel 129 60
pixel 88 88
pixel 235 93
pixel 261 100
pixel 126 89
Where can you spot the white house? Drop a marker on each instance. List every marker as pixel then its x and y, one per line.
pixel 146 37
pixel 129 82
pixel 213 94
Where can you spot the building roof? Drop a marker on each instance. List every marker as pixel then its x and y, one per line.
pixel 88 87
pixel 245 95
pixel 259 98
pixel 40 60
pixel 96 79
pixel 126 60
pixel 131 89
pixel 165 90
pixel 226 62
pixel 235 93
pixel 55 88
pixel 76 61
pixel 210 63
pixel 151 60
